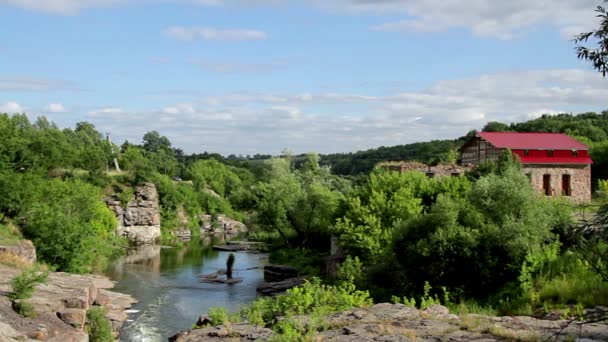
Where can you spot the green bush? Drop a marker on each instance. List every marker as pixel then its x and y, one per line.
pixel 312 298
pixel 25 309
pixel 98 327
pixel 23 284
pixel 218 316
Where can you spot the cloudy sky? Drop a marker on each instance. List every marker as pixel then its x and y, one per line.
pixel 257 76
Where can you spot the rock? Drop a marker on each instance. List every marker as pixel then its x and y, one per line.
pixel 436 310
pixel 274 288
pixel 273 273
pixel 224 225
pixel 73 317
pixel 60 306
pixel 232 332
pixel 203 320
pixel 25 250
pixel 139 221
pixel 397 322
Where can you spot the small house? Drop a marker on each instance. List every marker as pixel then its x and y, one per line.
pixel 556 164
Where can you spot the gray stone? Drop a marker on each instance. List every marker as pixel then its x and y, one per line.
pixel 139 221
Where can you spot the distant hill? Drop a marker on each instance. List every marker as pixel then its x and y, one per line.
pixel 590 127
pixel 430 152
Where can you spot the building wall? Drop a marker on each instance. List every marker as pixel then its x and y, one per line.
pixel 580 179
pixel 477 151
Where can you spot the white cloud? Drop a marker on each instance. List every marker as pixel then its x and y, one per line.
pixel 102 112
pixel 332 122
pixel 11 108
pixel 497 19
pixel 34 84
pixel 64 7
pixel 210 33
pixel 55 108
pixel 484 18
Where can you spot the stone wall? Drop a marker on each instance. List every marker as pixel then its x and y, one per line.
pixel 580 180
pixel 139 221
pixel 441 170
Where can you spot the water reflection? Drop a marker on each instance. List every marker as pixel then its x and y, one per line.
pixel 165 282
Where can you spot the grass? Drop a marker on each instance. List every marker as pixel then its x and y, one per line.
pixel 9 235
pixel 470 307
pixel 586 289
pixel 98 327
pixel 12 260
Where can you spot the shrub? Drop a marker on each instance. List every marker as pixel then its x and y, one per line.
pixel 23 285
pixel 98 327
pixel 311 298
pixel 218 316
pixel 25 309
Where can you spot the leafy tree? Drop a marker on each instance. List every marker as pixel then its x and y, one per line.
pixel 477 244
pixel 494 126
pixel 598 57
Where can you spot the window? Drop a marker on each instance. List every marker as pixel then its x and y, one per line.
pixel 547 184
pixel 526 153
pixel 566 189
pixel 549 153
pixel 575 153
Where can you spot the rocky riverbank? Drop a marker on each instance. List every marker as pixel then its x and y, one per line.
pixel 397 322
pixel 60 306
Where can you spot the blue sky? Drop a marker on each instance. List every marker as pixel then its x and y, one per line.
pixel 259 76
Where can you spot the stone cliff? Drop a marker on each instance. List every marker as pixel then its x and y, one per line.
pixel 60 306
pixel 139 220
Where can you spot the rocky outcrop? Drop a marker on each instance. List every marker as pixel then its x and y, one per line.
pixel 223 225
pixel 139 220
pixel 25 250
pixel 397 322
pixel 60 307
pixel 278 287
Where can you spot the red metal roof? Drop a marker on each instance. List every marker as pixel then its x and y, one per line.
pixel 556 160
pixel 532 141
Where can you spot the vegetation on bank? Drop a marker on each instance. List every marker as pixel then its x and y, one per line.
pixel 481 243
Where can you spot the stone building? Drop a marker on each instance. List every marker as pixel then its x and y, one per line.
pixel 556 164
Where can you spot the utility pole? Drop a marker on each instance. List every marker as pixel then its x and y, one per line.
pixel 113 152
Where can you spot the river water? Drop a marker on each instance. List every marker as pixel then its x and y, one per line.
pixel 166 284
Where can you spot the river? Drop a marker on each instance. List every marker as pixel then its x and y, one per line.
pixel 165 282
